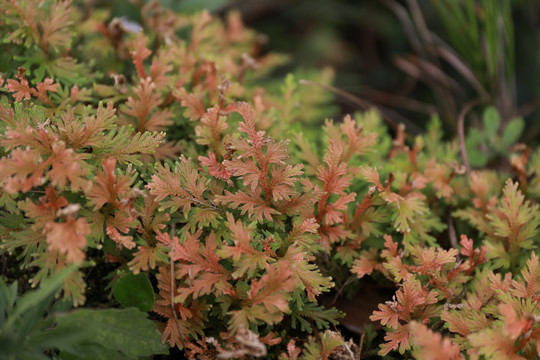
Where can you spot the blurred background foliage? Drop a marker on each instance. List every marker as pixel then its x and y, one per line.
pixel 408 58
pixel 414 57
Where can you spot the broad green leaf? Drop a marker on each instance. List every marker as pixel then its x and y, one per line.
pixel 93 352
pixel 128 331
pixel 477 158
pixel 135 290
pixel 195 5
pixel 512 132
pixel 474 139
pixel 491 122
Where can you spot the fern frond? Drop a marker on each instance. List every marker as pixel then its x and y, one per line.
pixel 184 186
pixel 322 317
pixel 126 146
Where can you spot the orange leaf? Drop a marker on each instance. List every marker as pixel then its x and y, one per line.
pixel 68 237
pixel 21 87
pixel 432 345
pixel 139 53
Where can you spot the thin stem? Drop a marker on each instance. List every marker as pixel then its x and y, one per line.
pixel 349 280
pixel 361 344
pixel 386 114
pixel 210 204
pixel 461 130
pixel 351 354
pixel 453 237
pixel 172 277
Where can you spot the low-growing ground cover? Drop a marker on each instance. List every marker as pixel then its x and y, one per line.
pixel 164 196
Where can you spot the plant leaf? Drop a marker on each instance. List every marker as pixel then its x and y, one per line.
pixel 124 330
pixel 491 121
pixel 135 290
pixel 512 132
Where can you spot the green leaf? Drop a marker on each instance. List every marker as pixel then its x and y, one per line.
pixel 21 319
pixel 512 132
pixel 35 298
pixel 491 122
pixel 8 294
pixel 92 352
pixel 125 330
pixel 322 317
pixel 477 158
pixel 190 6
pixel 11 221
pixel 135 290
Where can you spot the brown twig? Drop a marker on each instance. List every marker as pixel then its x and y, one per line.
pixel 453 237
pixel 411 22
pixel 210 204
pixel 361 344
pixel 453 59
pixel 348 348
pixel 426 71
pixel 173 283
pixel 387 115
pixel 526 109
pixel 401 12
pixel 382 97
pixel 349 280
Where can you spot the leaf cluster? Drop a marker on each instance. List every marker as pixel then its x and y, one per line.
pixel 174 175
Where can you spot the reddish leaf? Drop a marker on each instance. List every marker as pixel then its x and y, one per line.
pixel 139 53
pixel 68 237
pixel 215 168
pixel 107 186
pixel 21 88
pixel 432 345
pixel 195 107
pixel 44 87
